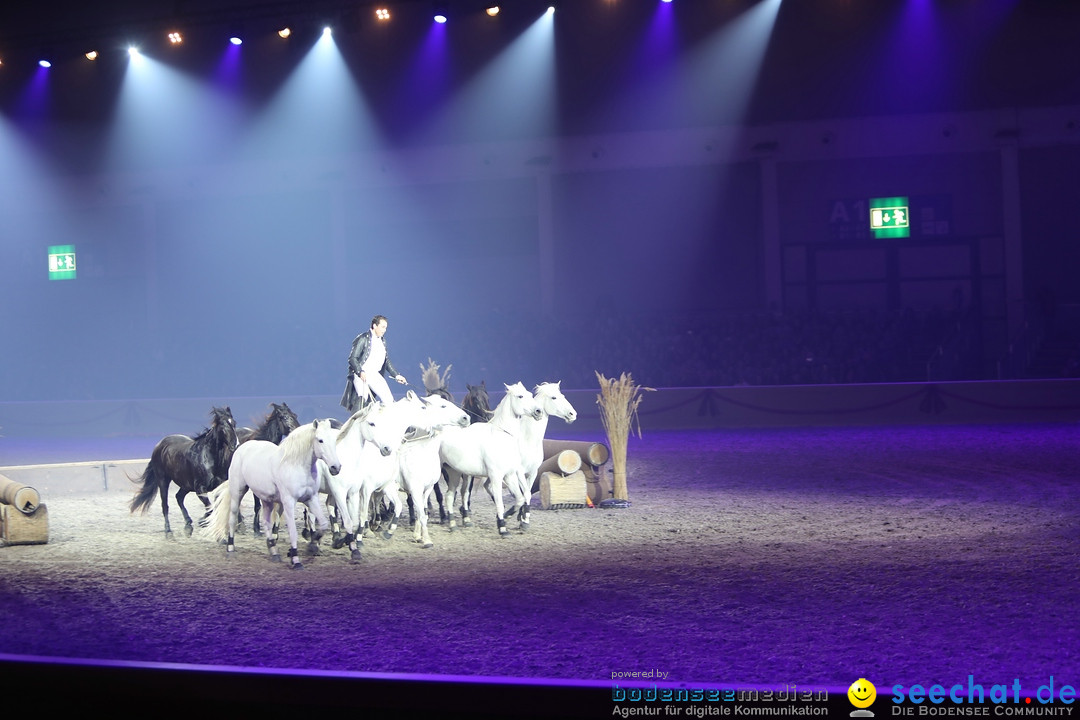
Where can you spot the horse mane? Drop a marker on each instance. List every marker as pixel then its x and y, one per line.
pixel 499 414
pixel 296 446
pixel 441 392
pixel 354 418
pixel 278 423
pixel 219 439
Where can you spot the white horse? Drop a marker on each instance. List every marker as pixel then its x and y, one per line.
pixel 284 474
pixel 366 428
pixel 552 403
pixel 367 444
pixel 419 464
pixel 491 449
pixel 422 416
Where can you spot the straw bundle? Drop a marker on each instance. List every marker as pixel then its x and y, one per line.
pixel 618 402
pixel 431 377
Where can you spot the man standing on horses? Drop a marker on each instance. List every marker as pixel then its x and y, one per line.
pixel 368 360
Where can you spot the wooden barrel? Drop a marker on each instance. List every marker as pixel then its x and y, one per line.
pixel 593 453
pixel 23 498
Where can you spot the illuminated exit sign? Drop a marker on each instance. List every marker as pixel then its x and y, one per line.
pixel 890 217
pixel 61 262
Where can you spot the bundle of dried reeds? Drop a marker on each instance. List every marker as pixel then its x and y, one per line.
pixel 432 379
pixel 618 402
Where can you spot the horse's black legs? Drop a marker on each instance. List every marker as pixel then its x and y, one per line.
pixel 188 525
pixel 256 525
pixel 439 499
pixel 164 490
pixel 412 511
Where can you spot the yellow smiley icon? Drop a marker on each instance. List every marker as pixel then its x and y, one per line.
pixel 862 693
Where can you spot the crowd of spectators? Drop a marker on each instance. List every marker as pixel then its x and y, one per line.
pixel 696 350
pixel 660 349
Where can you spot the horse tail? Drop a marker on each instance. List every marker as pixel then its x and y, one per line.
pixel 150 481
pixel 217 524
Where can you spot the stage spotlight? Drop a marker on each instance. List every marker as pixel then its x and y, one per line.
pixel 551 10
pixel 133 51
pixel 493 10
pixel 44 63
pixel 382 13
pixel 284 32
pixel 236 40
pixel 92 55
pixel 327 31
pixel 440 12
pixel 175 38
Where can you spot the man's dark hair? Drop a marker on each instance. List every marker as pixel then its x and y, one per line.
pixel 378 319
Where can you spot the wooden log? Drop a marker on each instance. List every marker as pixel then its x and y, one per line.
pixel 564 463
pixel 563 491
pixel 592 453
pixel 23 498
pixel 17 528
pixel 597 483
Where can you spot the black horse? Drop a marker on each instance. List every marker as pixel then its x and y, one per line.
pixel 197 465
pixel 280 422
pixel 476 402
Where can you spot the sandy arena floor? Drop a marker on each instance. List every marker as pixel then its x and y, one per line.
pixel 810 556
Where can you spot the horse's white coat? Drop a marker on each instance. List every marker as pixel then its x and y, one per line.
pixel 492 449
pixel 284 474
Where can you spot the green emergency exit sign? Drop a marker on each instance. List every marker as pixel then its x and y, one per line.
pixel 61 262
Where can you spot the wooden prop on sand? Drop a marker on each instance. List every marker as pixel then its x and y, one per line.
pixel 23 519
pixel 618 402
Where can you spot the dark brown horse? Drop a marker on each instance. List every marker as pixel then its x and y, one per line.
pixel 196 464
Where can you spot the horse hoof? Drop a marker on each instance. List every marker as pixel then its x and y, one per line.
pixel 188 530
pixel 428 544
pixel 306 534
pixel 355 555
pixel 314 550
pixel 275 558
pixel 524 527
pixel 466 523
pixel 387 535
pixel 338 542
pixel 297 566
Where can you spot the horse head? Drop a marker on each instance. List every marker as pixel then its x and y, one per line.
pixel 324 444
pixel 223 427
pixel 476 402
pixel 282 420
pixel 521 402
pixel 445 412
pixel 383 426
pixel 553 402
